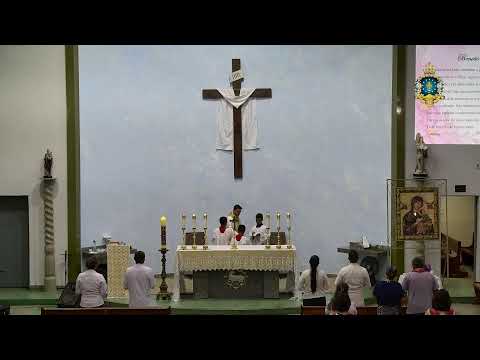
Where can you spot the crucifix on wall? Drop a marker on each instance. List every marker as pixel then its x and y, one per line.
pixel 240 102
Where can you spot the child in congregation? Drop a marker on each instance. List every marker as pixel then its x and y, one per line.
pixel 441 304
pixel 338 299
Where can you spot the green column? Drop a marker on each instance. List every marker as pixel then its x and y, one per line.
pixel 73 161
pixel 398 135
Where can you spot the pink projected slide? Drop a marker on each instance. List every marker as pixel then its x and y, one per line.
pixel 447 94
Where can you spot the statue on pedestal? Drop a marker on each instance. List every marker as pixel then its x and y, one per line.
pixel 47 164
pixel 422 153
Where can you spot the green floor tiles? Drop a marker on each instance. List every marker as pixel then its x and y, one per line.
pixel 19 296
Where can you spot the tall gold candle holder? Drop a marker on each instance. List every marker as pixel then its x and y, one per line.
pixel 289 228
pixel 279 246
pixel 267 245
pixel 184 222
pixel 194 231
pixel 205 245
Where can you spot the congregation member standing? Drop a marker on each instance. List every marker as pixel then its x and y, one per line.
pixel 313 284
pixel 356 277
pixel 420 285
pixel 389 294
pixel 139 280
pixel 91 286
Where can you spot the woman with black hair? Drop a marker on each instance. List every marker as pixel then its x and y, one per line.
pixel 441 304
pixel 313 284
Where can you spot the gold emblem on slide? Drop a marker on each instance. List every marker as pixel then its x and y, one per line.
pixel 429 87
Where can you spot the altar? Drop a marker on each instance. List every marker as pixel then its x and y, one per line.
pixel 249 271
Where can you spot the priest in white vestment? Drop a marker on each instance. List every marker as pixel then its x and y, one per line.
pixel 259 233
pixel 223 234
pixel 356 277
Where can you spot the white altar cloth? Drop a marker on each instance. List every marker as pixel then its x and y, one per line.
pixel 223 257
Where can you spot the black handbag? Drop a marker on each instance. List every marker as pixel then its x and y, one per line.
pixel 68 298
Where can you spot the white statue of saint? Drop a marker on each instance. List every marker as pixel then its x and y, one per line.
pixel 422 152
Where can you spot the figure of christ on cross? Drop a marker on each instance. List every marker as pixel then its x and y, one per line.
pixel 212 94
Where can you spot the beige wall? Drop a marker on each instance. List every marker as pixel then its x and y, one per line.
pixel 32 119
pixel 461 218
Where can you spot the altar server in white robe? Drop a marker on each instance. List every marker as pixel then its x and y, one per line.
pixel 139 280
pixel 223 235
pixel 240 238
pixel 356 277
pixel 259 234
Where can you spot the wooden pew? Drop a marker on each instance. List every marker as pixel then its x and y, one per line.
pixel 121 311
pixel 361 310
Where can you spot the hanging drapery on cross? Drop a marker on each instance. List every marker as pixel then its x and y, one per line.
pixel 225 119
pixel 237 104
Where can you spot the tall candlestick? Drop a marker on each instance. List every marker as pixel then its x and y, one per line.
pixel 267 245
pixel 163 232
pixel 279 246
pixel 194 230
pixel 205 236
pixel 184 222
pixel 289 228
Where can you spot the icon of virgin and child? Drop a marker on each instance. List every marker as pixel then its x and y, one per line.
pixel 417 222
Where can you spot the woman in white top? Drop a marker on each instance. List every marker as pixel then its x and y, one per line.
pixel 313 284
pixel 91 286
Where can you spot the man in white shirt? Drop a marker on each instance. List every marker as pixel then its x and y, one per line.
pixel 240 238
pixel 259 233
pixel 139 280
pixel 356 277
pixel 223 234
pixel 91 286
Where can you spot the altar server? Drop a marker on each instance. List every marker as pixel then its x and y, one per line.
pixel 223 234
pixel 356 277
pixel 240 238
pixel 259 233
pixel 139 280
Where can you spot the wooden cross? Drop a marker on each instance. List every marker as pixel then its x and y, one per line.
pixel 212 94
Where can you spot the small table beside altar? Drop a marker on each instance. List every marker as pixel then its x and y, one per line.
pixel 249 271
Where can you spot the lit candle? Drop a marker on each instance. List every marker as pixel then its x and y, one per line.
pixel 163 231
pixel 194 220
pixel 288 219
pixel 184 220
pixel 278 220
pixel 205 217
pixel 268 220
